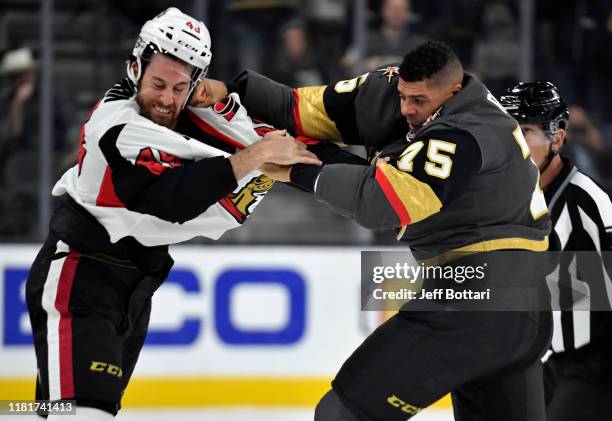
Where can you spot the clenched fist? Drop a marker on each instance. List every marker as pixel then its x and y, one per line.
pixel 207 93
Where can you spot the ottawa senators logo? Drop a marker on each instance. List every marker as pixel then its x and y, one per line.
pixel 241 204
pixel 227 107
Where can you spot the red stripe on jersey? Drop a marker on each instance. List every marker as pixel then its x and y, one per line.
pixel 392 197
pixel 229 206
pixel 62 304
pixel 207 128
pixel 82 150
pixel 107 196
pixel 296 113
pixel 307 140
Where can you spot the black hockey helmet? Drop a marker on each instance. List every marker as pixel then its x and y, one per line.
pixel 537 103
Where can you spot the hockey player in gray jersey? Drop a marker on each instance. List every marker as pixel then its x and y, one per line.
pixel 458 178
pixel 578 374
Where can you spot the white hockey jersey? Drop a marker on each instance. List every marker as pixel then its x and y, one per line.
pixel 140 179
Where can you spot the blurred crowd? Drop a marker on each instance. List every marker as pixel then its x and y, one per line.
pixel 299 43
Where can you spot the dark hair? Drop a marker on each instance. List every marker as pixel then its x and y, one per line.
pixel 431 60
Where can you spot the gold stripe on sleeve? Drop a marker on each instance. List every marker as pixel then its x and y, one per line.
pixel 417 197
pixel 314 119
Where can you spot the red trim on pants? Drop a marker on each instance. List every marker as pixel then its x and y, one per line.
pixel 62 304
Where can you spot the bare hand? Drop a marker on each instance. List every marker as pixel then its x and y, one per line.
pixel 208 92
pixel 275 148
pixel 279 148
pixel 277 172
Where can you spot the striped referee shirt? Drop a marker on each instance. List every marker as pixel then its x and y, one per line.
pixel 581 213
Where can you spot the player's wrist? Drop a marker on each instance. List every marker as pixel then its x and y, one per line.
pixel 304 176
pixel 245 161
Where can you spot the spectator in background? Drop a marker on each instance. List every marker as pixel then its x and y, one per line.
pixel 295 64
pixel 389 43
pixel 19 136
pixel 497 54
pixel 19 67
pixel 587 146
pixel 19 106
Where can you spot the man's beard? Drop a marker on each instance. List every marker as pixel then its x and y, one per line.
pixel 147 111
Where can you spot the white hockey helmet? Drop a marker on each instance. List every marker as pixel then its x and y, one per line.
pixel 177 34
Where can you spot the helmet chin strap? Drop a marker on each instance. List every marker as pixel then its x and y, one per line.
pixel 134 77
pixel 549 157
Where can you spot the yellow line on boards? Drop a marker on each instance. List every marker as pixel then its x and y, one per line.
pixel 207 391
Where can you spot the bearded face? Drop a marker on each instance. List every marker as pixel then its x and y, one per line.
pixel 163 89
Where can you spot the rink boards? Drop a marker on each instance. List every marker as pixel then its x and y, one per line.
pixel 232 326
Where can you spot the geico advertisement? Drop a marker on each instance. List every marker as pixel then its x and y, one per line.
pixel 224 313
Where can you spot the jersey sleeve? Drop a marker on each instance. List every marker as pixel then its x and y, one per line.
pixel 312 111
pixel 267 100
pixel 169 188
pixel 304 176
pixel 330 153
pixel 427 175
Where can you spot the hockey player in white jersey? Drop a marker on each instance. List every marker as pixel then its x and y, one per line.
pixel 141 183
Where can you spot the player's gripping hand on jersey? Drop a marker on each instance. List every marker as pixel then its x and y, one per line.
pixel 275 148
pixel 274 154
